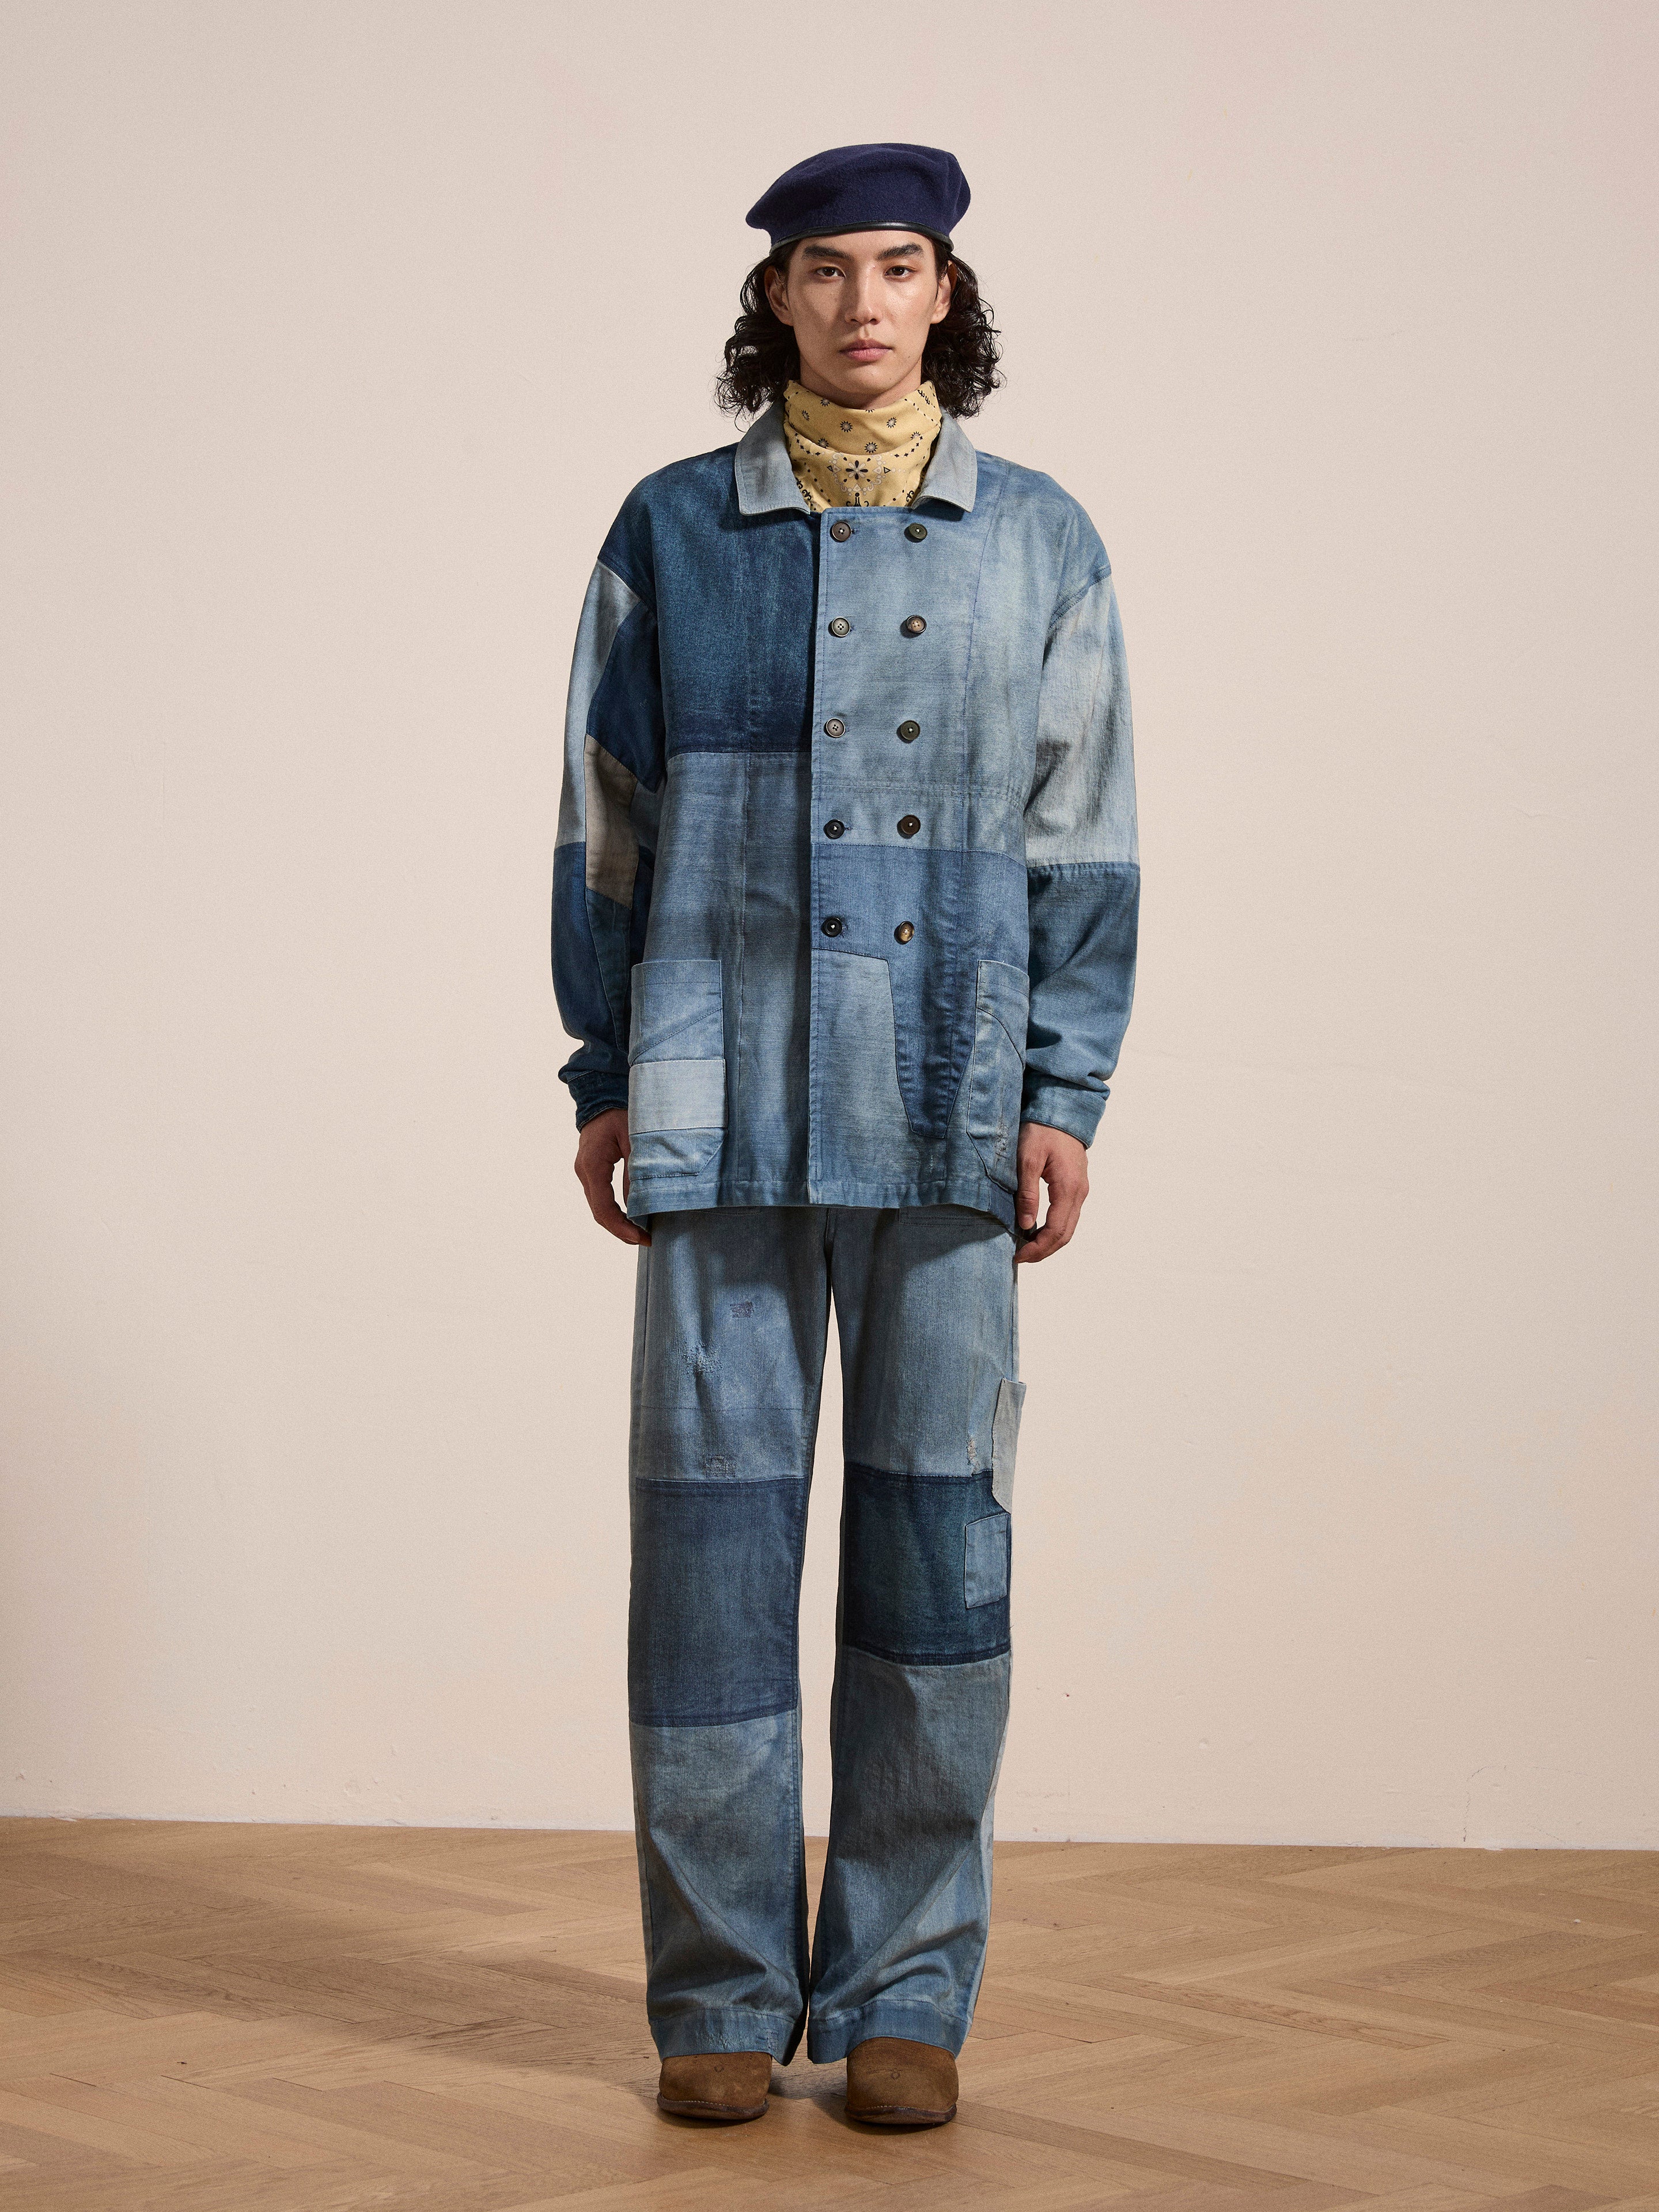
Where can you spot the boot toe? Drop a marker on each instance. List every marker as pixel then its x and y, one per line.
pixel 894 2083
pixel 715 2085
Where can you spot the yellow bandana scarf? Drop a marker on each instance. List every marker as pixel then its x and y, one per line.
pixel 859 456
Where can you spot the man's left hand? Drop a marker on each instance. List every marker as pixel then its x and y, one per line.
pixel 1051 1156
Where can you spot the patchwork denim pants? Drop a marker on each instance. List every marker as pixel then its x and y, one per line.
pixel 730 1330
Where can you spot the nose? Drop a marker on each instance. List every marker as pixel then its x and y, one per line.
pixel 864 305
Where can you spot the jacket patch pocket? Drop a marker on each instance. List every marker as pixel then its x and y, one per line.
pixel 996 1073
pixel 1004 1439
pixel 986 1544
pixel 676 1068
pixel 858 1068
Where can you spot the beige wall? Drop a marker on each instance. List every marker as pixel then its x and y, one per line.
pixel 332 338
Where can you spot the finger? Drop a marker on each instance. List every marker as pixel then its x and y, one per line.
pixel 1027 1203
pixel 610 1215
pixel 1065 1209
pixel 1036 1248
pixel 602 1204
pixel 1064 1205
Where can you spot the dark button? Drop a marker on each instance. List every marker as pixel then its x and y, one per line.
pixel 917 530
pixel 835 828
pixel 839 530
pixel 909 825
pixel 840 627
pixel 835 727
pixel 909 731
pixel 905 932
pixel 912 625
pixel 832 924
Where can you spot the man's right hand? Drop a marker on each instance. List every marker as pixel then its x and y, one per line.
pixel 602 1142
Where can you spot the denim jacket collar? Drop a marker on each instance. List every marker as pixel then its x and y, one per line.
pixel 766 480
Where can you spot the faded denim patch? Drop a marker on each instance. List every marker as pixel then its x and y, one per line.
pixel 677 1072
pixel 677 1094
pixel 985 1555
pixel 1004 1439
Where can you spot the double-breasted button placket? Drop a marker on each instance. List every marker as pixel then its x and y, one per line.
pixel 909 825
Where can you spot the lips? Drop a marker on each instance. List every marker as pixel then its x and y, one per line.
pixel 863 352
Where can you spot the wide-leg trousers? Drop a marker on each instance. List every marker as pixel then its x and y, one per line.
pixel 730 1331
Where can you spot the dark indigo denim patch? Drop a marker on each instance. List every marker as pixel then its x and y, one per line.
pixel 732 595
pixel 625 715
pixel 713 1606
pixel 903 1544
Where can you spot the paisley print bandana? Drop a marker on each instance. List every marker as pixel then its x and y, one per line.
pixel 859 456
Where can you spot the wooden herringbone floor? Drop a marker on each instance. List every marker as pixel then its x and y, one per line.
pixel 217 2019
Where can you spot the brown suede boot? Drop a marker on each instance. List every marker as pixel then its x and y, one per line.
pixel 893 2083
pixel 716 2085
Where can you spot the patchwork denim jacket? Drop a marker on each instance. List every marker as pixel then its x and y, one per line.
pixel 846 880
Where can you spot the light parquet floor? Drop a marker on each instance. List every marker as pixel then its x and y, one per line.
pixel 254 2018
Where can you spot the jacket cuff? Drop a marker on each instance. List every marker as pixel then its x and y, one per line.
pixel 596 1094
pixel 1062 1106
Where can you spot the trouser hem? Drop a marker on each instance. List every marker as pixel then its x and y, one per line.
pixel 726 2027
pixel 913 2019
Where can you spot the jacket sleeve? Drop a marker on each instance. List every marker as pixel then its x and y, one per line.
pixel 1082 858
pixel 602 862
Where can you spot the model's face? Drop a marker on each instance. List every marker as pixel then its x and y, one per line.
pixel 861 305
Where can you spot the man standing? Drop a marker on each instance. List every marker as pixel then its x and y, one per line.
pixel 844 918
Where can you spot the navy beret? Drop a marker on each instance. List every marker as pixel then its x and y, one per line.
pixel 884 187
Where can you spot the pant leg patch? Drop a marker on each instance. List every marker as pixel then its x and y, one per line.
pixel 1004 1439
pixel 711 1618
pixel 903 1593
pixel 985 1551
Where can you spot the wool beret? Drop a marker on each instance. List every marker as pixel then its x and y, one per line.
pixel 882 187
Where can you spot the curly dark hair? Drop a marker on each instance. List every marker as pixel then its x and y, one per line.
pixel 761 354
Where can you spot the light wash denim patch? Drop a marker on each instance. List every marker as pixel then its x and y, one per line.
pixel 677 1073
pixel 985 1560
pixel 731 1330
pixel 1004 1438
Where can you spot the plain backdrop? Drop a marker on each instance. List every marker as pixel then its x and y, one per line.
pixel 333 337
